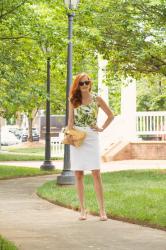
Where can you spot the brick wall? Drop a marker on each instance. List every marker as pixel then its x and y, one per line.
pixel 139 150
pixel 148 150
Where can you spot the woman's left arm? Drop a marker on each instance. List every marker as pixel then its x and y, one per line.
pixel 102 104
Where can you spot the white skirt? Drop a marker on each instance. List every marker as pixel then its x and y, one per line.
pixel 87 156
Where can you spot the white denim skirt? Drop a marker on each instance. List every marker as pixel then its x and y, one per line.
pixel 87 156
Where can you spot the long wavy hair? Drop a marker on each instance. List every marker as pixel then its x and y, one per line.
pixel 75 92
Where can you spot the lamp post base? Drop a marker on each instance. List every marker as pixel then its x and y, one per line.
pixel 66 178
pixel 47 165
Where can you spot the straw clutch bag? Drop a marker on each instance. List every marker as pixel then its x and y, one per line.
pixel 73 137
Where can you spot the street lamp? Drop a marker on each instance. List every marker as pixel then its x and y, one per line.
pixel 71 4
pixel 47 164
pixel 67 176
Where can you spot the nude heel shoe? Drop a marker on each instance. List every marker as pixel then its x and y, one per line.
pixel 103 217
pixel 83 216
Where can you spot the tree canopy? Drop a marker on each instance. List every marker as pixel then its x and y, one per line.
pixel 129 34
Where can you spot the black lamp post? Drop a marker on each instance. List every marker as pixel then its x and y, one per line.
pixel 67 176
pixel 47 164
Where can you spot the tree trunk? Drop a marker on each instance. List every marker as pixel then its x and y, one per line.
pixel 30 121
pixel 160 87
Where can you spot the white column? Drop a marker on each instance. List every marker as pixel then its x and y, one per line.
pixel 37 121
pixel 102 88
pixel 0 130
pixel 2 124
pixel 128 108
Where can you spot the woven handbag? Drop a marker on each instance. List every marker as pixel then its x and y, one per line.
pixel 74 137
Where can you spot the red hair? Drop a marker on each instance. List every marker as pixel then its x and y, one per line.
pixel 75 92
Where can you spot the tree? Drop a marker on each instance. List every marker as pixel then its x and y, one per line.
pixel 151 94
pixel 130 34
pixel 25 27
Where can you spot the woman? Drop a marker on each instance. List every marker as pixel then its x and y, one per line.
pixel 83 110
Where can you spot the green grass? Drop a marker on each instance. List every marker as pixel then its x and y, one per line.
pixel 8 172
pixel 134 196
pixel 19 157
pixel 24 154
pixel 35 150
pixel 6 245
pixel 30 150
pixel 23 157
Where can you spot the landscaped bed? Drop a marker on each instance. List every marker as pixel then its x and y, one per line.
pixel 136 196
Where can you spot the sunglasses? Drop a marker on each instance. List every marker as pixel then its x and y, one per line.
pixel 84 83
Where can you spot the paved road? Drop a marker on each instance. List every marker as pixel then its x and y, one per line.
pixel 107 166
pixel 35 224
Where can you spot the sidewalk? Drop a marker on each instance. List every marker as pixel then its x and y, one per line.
pixel 105 167
pixel 35 224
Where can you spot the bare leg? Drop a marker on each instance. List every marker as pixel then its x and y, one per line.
pixel 80 191
pixel 99 193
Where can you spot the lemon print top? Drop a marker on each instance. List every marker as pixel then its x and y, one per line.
pixel 86 114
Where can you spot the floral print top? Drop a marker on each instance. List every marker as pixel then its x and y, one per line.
pixel 86 114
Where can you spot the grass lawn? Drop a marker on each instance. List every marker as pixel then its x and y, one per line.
pixel 29 153
pixel 23 157
pixel 6 245
pixel 137 196
pixel 8 172
pixel 30 150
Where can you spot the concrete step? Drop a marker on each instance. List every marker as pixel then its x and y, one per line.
pixel 144 150
pixel 116 150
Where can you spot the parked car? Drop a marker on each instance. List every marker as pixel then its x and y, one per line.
pixel 21 134
pixel 35 134
pixel 12 129
pixel 8 138
pixel 24 135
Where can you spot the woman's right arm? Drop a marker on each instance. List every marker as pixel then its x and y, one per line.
pixel 71 116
